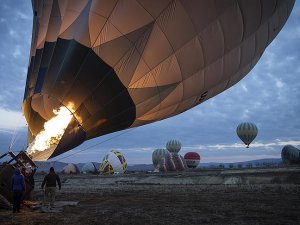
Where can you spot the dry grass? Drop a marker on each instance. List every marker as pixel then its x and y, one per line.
pixel 129 203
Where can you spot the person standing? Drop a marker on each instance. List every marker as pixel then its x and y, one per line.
pixel 18 188
pixel 50 181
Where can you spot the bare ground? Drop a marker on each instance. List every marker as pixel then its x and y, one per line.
pixel 168 204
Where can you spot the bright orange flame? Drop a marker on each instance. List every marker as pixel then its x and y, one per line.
pixel 52 132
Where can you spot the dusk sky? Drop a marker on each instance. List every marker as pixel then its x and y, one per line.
pixel 268 96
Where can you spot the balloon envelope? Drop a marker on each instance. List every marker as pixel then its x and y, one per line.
pixel 113 162
pixel 247 132
pixel 121 64
pixel 192 159
pixel 71 168
pixel 290 155
pixel 89 167
pixel 157 155
pixel 172 162
pixel 173 146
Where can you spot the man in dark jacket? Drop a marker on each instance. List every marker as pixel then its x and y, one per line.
pixel 50 180
pixel 18 187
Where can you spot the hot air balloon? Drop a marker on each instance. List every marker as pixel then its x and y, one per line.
pixel 192 159
pixel 290 155
pixel 113 162
pixel 89 167
pixel 112 65
pixel 173 146
pixel 247 132
pixel 157 155
pixel 172 162
pixel 71 168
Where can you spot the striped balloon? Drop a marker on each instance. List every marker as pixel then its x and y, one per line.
pixel 157 155
pixel 113 162
pixel 247 132
pixel 172 162
pixel 106 167
pixel 173 146
pixel 192 159
pixel 290 155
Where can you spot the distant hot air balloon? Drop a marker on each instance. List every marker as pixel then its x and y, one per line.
pixel 113 162
pixel 157 155
pixel 71 168
pixel 173 146
pixel 111 65
pixel 172 162
pixel 247 132
pixel 192 159
pixel 90 167
pixel 290 155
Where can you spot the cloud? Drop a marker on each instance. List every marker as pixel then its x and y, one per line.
pixel 237 158
pixel 254 145
pixel 13 34
pixel 23 16
pixel 11 120
pixel 17 52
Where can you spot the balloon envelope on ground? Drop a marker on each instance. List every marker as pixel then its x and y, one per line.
pixel 71 168
pixel 90 167
pixel 192 159
pixel 113 162
pixel 290 155
pixel 121 64
pixel 247 132
pixel 172 162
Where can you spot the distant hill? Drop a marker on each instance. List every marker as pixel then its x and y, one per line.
pixel 45 166
pixel 252 163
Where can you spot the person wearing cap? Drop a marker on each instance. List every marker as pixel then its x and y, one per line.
pixel 50 181
pixel 18 188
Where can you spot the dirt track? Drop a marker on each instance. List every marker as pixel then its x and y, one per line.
pixel 168 204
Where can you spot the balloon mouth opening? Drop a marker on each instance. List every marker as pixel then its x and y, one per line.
pixel 45 142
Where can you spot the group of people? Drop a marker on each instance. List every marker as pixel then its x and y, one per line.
pixel 19 187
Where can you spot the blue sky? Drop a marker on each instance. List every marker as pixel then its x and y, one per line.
pixel 268 96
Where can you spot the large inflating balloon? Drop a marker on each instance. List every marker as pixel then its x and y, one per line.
pixel 113 162
pixel 157 155
pixel 247 132
pixel 119 64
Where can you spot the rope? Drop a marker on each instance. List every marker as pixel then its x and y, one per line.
pixel 99 143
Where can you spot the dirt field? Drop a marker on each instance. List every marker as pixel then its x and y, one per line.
pixel 103 202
